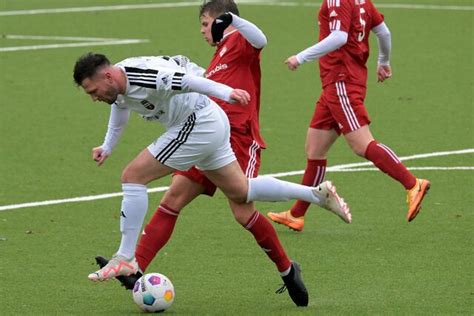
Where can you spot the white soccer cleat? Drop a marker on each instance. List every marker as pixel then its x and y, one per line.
pixel 331 201
pixel 117 266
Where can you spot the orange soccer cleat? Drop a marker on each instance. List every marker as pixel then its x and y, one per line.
pixel 415 196
pixel 285 218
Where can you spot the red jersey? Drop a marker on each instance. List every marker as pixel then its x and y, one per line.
pixel 236 63
pixel 356 18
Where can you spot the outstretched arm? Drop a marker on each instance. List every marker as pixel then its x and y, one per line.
pixel 384 41
pixel 332 42
pixel 117 121
pixel 208 87
pixel 248 30
pixel 190 66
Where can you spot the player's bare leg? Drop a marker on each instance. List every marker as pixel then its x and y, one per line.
pixel 231 180
pixel 359 139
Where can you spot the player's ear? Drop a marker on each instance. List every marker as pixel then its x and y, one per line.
pixel 108 76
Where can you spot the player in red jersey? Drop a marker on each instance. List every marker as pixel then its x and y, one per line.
pixel 236 61
pixel 343 50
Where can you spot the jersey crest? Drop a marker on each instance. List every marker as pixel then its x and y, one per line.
pixel 223 51
pixel 148 105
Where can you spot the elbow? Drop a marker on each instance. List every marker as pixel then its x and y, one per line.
pixel 261 43
pixel 340 44
pixel 384 34
pixel 341 41
pixel 339 38
pixel 381 30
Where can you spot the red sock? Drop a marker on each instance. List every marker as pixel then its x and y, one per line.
pixel 156 234
pixel 387 161
pixel 267 239
pixel 313 175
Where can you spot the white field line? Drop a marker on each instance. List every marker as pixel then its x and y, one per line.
pixel 198 3
pixel 338 168
pixel 379 5
pixel 60 38
pixel 102 8
pixel 102 42
pixel 347 167
pixel 433 168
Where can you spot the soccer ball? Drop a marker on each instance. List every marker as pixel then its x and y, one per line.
pixel 153 292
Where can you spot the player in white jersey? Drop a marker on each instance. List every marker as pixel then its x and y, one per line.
pixel 172 91
pixel 142 72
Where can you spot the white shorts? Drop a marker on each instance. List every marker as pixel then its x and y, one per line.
pixel 202 140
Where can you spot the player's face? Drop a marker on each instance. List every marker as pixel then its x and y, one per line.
pixel 206 23
pixel 100 87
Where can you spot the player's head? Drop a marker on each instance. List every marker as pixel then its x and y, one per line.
pixel 94 74
pixel 210 10
pixel 215 8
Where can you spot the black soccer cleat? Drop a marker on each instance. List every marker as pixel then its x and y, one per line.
pixel 101 261
pixel 126 281
pixel 294 284
pixel 129 281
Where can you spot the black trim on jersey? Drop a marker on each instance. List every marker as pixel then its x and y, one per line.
pixel 176 81
pixel 166 57
pixel 142 77
pixel 142 84
pixel 182 137
pixel 140 70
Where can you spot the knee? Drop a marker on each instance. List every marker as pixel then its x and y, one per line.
pixel 129 175
pixel 174 199
pixel 243 212
pixel 240 218
pixel 313 151
pixel 359 149
pixel 238 198
pixel 238 194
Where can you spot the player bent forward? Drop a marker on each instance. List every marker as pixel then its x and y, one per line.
pixel 172 91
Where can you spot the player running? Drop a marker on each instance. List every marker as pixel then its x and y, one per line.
pixel 343 50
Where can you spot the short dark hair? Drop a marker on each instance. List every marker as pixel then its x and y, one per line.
pixel 218 7
pixel 87 65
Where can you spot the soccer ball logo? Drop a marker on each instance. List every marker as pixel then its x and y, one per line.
pixel 153 292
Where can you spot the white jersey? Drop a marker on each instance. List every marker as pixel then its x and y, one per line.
pixel 155 89
pixel 161 88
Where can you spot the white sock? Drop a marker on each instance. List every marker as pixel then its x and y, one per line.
pixel 134 207
pixel 266 188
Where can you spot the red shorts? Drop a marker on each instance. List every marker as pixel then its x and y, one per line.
pixel 340 107
pixel 247 151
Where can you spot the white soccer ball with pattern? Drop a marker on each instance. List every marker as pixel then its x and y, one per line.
pixel 153 292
